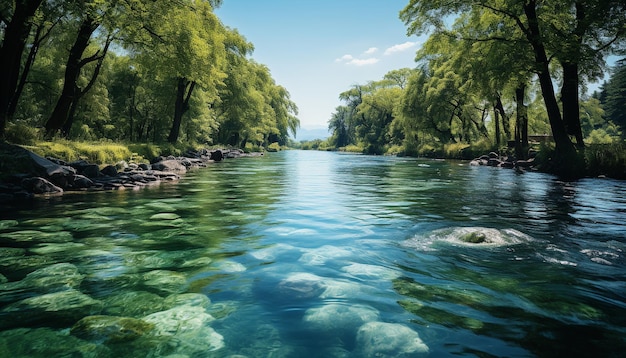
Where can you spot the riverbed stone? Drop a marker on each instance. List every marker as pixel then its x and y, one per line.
pixel 53 278
pixel 165 216
pixel 133 304
pixel 301 286
pixel 371 271
pixel 179 319
pixel 46 342
pixel 339 319
pixel 188 326
pixel 32 237
pixel 165 282
pixel 110 329
pixel 380 339
pixel 187 299
pixel 56 308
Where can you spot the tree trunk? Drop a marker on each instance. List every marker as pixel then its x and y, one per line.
pixel 565 151
pixel 183 95
pixel 521 123
pixel 496 118
pixel 15 36
pixel 569 99
pixel 81 92
pixel 505 118
pixel 72 71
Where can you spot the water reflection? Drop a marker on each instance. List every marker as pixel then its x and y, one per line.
pixel 321 254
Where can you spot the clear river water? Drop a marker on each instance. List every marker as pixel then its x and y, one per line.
pixel 320 254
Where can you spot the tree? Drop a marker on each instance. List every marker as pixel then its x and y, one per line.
pixel 533 21
pixel 15 36
pixel 615 101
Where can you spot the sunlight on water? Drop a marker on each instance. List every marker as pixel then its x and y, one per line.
pixel 317 254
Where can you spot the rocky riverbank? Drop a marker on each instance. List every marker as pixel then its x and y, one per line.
pixel 25 175
pixel 495 160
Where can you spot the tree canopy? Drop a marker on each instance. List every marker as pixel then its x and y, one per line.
pixel 135 70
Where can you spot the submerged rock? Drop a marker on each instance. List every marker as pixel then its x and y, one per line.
pixel 56 308
pixel 165 282
pixel 339 318
pixel 469 237
pixel 187 299
pixel 57 277
pixel 379 339
pixel 372 271
pixel 301 286
pixel 45 342
pixel 185 329
pixel 110 329
pixel 179 319
pixel 133 304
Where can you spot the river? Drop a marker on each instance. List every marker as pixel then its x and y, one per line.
pixel 320 254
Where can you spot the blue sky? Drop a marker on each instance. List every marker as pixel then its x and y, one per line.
pixel 318 49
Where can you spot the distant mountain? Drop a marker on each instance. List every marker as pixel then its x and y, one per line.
pixel 310 134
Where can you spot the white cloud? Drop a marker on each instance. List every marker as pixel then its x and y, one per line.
pixel 345 58
pixel 400 47
pixel 371 50
pixel 362 61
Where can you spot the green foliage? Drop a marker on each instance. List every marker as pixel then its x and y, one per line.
pixel 95 152
pixel 606 159
pixel 20 132
pixel 229 98
pixel 352 149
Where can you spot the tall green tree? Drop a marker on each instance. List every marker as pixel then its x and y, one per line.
pixel 17 21
pixel 529 18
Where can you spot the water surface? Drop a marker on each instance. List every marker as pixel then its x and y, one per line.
pixel 317 254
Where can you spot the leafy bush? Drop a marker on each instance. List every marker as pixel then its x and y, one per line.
pixel 20 133
pixel 606 159
pixel 352 149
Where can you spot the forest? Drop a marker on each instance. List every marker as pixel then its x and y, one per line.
pixel 134 71
pixel 492 76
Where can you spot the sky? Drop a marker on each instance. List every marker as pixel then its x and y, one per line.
pixel 318 49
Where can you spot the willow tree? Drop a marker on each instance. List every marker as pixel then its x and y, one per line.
pixel 528 17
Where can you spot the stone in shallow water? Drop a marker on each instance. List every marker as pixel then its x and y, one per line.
pixel 65 248
pixel 187 299
pixel 165 282
pixel 301 286
pixel 468 237
pixel 4 224
pixel 198 262
pixel 371 271
pixel 165 216
pixel 47 343
pixel 58 277
pixel 31 237
pixel 179 319
pixel 188 328
pixel 110 329
pixel 230 266
pixel 325 253
pixel 380 339
pixel 133 304
pixel 56 308
pixel 339 318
